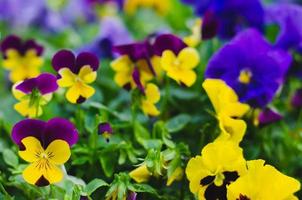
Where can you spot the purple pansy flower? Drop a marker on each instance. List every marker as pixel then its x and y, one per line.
pixel 105 130
pixel 268 116
pixel 13 42
pixel 288 17
pixel 45 132
pixel 226 17
pixel 251 66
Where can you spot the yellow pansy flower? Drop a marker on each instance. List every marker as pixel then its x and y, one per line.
pixel 228 109
pixel 263 182
pixel 152 96
pixel 220 163
pixel 180 67
pixel 44 168
pixel 22 58
pixel 76 74
pixel 131 6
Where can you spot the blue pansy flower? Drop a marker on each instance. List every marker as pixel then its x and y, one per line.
pixel 251 66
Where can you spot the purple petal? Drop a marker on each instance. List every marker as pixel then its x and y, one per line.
pixel 59 128
pixel 31 44
pixel 45 83
pixel 45 132
pixel 104 128
pixel 27 127
pixel 132 196
pixel 168 42
pixel 209 25
pixel 63 59
pixel 137 80
pixel 11 42
pixel 296 100
pixel 268 116
pixel 87 58
pixel 136 51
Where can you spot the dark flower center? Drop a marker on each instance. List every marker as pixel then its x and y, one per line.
pixel 243 197
pixel 214 192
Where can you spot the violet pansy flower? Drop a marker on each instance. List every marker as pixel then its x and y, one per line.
pixel 226 17
pixel 34 93
pixel 251 66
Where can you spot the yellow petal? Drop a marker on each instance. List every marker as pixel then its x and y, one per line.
pixel 231 129
pixel 28 111
pixel 32 147
pixel 77 90
pixel 122 78
pixel 17 93
pixel 58 152
pixel 67 77
pixel 167 60
pixel 149 108
pixel 152 93
pixel 72 94
pixel 189 58
pixel 87 74
pixel 32 174
pixel 187 77
pixel 122 64
pixel 140 174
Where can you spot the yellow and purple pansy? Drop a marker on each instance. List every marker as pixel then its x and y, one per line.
pixel 76 73
pixel 136 65
pixel 219 164
pixel 33 94
pixel 46 146
pixel 105 130
pixel 22 58
pixel 177 59
pixel 262 181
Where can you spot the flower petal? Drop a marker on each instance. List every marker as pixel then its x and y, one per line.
pixel 87 74
pixel 87 58
pixel 32 147
pixel 63 59
pixel 58 152
pixel 67 77
pixel 189 58
pixel 188 77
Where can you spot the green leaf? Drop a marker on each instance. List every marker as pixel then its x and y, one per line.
pixel 10 158
pixel 94 185
pixel 178 123
pixel 108 162
pixel 143 188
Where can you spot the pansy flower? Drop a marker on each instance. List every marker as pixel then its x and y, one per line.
pixel 227 17
pixel 136 66
pixel 288 18
pixel 263 182
pixel 228 109
pixel 46 146
pixel 105 130
pixel 220 164
pixel 76 73
pixel 148 101
pixel 161 7
pixel 177 59
pixel 34 93
pixel 22 58
pixel 251 66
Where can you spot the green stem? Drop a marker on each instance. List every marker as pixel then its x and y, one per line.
pixel 166 97
pixel 2 189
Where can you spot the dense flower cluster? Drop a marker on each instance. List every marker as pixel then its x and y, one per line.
pixel 195 99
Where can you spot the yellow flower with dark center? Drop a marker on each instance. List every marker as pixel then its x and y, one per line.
pixel 195 38
pixel 162 7
pixel 228 109
pixel 152 96
pixel 76 73
pixel 180 67
pixel 44 169
pixel 33 94
pixel 220 163
pixel 263 182
pixel 22 58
